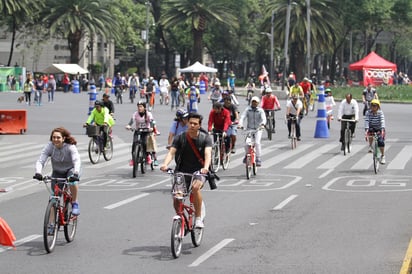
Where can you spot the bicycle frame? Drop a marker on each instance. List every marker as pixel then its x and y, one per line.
pixel 251 152
pixel 217 151
pixel 347 137
pixel 183 221
pixel 376 152
pixel 139 156
pixel 293 138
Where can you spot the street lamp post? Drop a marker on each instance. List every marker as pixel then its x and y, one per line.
pixel 147 46
pixel 271 47
pixel 285 58
pixel 308 59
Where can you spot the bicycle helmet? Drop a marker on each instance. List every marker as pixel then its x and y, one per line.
pixel 181 113
pixel 256 99
pixel 268 90
pixel 98 103
pixel 376 102
pixel 328 90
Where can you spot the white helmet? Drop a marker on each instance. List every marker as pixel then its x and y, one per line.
pixel 268 90
pixel 255 98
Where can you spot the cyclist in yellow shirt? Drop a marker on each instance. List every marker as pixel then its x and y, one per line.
pixel 297 90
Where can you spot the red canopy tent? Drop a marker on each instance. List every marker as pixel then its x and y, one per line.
pixel 376 70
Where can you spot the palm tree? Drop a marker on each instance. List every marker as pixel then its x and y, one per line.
pixel 199 13
pixel 73 19
pixel 15 14
pixel 324 28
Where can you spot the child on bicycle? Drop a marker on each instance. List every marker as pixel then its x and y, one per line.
pixel 65 161
pixel 375 122
pixel 294 109
pixel 256 118
pixel 143 119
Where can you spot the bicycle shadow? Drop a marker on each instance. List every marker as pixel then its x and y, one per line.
pixel 160 253
pixel 36 247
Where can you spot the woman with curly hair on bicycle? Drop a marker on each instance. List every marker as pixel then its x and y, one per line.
pixel 65 161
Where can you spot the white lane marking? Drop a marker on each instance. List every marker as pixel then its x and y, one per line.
pixel 285 155
pixel 366 161
pixel 326 173
pixel 308 157
pixel 22 241
pixel 285 202
pixel 126 201
pixel 333 162
pixel 210 252
pixel 399 162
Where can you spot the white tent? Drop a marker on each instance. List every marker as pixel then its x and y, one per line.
pixel 66 68
pixel 197 68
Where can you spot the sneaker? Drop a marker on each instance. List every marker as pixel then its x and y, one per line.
pixel 75 209
pixel 258 163
pixel 298 139
pixel 289 136
pixel 131 163
pixel 383 161
pixel 148 159
pixel 155 163
pixel 370 150
pixel 50 229
pixel 199 223
pixel 233 150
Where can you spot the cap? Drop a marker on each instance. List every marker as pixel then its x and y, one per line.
pixel 256 99
pixel 106 95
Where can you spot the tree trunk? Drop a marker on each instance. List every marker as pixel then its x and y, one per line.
pixel 74 41
pixel 13 38
pixel 197 46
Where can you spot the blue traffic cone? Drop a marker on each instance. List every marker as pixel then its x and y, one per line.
pixel 321 130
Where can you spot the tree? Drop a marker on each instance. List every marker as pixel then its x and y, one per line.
pixel 16 14
pixel 199 13
pixel 76 18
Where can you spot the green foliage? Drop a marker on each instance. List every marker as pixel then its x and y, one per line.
pixel 396 93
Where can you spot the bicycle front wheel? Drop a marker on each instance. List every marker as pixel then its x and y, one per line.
pixel 94 151
pixel 135 162
pixel 269 128
pixel 376 158
pixel 108 149
pixel 248 167
pixel 348 140
pixel 177 235
pixel 215 157
pixel 70 220
pixel 293 138
pixel 50 226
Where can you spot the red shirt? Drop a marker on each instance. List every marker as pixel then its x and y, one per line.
pixel 219 121
pixel 305 87
pixel 269 102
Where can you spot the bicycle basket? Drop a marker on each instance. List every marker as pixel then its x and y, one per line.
pixel 179 185
pixel 93 130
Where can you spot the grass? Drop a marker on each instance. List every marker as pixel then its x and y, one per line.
pixel 399 93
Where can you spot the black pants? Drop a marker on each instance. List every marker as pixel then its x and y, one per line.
pixel 352 126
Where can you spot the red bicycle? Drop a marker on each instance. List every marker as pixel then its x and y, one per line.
pixel 58 213
pixel 184 220
pixel 250 158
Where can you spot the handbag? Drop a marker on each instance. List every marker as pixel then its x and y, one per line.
pixel 211 176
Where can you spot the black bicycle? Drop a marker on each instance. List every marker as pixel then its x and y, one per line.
pixel 270 122
pixel 347 136
pixel 139 154
pixel 96 144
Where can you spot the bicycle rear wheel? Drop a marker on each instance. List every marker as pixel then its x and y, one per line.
pixel 248 167
pixel 376 158
pixel 269 128
pixel 108 150
pixel 70 227
pixel 135 162
pixel 177 235
pixel 50 226
pixel 215 157
pixel 94 150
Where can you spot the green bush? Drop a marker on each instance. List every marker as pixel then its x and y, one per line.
pixel 398 93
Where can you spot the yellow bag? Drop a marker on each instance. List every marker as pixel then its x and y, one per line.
pixel 151 143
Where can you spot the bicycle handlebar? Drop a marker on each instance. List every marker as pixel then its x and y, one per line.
pixel 348 120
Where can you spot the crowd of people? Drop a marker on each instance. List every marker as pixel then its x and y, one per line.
pixel 188 143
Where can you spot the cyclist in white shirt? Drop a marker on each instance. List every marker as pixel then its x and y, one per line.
pixel 348 109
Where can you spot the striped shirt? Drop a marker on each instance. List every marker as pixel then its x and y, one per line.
pixel 374 120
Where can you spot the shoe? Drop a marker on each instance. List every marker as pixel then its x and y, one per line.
pixel 50 229
pixel 155 163
pixel 258 163
pixel 383 161
pixel 233 150
pixel 131 163
pixel 75 209
pixel 199 223
pixel 298 138
pixel 289 136
pixel 148 159
pixel 342 147
pixel 370 150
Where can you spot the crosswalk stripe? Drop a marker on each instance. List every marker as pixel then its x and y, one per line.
pixel 22 153
pixel 335 161
pixel 285 155
pixel 11 148
pixel 235 161
pixel 307 158
pixel 366 161
pixel 401 159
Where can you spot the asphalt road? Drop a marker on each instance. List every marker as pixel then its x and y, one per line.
pixel 310 210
